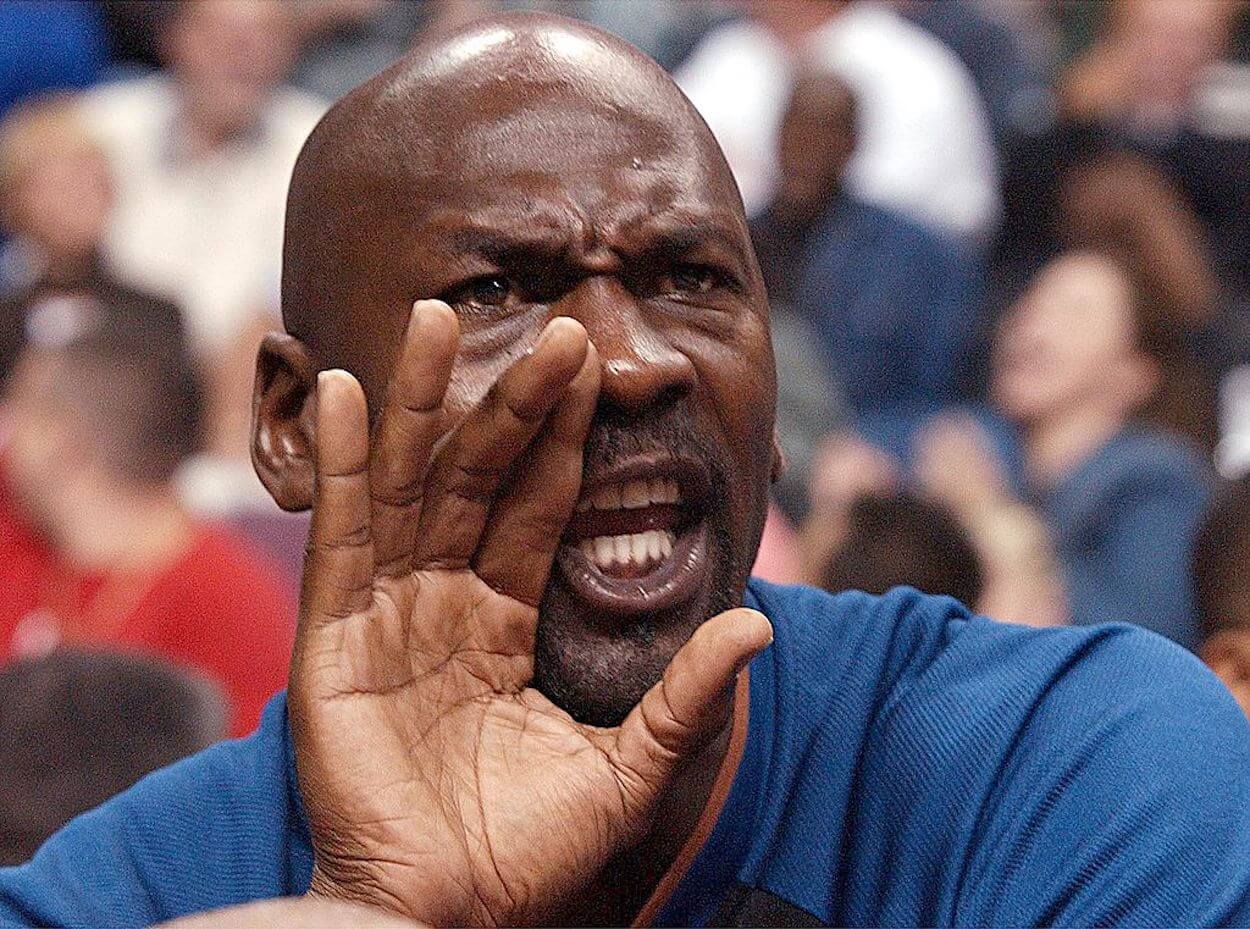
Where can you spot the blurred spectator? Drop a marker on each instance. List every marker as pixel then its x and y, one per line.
pixel 867 530
pixel 56 194
pixel 1222 589
pixel 49 45
pixel 202 155
pixel 890 541
pixel 1076 362
pixel 77 728
pixel 1148 84
pixel 891 302
pixel 1007 50
pixel 95 547
pixel 925 149
pixel 1121 197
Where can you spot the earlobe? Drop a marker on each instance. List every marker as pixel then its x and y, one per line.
pixel 283 416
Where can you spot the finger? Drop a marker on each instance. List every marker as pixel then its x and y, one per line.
pixel 408 427
pixel 690 704
pixel 525 525
pixel 469 469
pixel 338 571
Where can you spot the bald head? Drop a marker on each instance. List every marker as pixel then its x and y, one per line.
pixel 492 110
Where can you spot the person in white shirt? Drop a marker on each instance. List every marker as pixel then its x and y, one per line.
pixel 925 149
pixel 202 155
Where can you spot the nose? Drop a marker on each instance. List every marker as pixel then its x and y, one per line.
pixel 640 367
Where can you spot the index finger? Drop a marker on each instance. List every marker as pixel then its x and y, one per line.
pixel 409 426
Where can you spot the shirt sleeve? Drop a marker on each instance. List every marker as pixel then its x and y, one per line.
pixel 216 829
pixel 1125 800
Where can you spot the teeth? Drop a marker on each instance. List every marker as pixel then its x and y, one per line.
pixel 641 549
pixel 607 497
pixel 666 544
pixel 635 494
pixel 631 495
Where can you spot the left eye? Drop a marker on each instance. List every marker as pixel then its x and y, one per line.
pixel 694 279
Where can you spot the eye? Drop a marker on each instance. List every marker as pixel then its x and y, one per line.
pixel 686 278
pixel 486 291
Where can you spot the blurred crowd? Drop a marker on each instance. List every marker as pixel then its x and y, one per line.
pixel 1007 247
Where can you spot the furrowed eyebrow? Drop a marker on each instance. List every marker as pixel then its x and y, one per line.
pixel 500 246
pixel 669 238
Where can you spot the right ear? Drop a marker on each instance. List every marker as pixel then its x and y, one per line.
pixel 284 406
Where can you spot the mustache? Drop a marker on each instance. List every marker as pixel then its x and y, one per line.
pixel 615 436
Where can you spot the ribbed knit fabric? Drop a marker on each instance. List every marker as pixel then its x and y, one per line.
pixel 906 764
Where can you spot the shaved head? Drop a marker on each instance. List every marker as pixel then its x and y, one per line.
pixel 515 95
pixel 523 168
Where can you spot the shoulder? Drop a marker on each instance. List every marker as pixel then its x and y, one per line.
pixel 1090 775
pixel 219 828
pixel 136 101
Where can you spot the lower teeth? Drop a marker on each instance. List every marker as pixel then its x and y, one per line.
pixel 637 551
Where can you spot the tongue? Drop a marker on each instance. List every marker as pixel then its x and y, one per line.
pixel 591 523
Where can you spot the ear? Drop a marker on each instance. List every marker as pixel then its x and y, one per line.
pixel 779 459
pixel 283 416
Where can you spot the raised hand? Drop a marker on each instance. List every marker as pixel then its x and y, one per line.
pixel 437 783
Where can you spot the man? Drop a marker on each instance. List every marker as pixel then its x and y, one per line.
pixel 96 548
pixel 892 302
pixel 927 149
pixel 473 735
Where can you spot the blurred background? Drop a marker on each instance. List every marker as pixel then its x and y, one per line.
pixel 1006 242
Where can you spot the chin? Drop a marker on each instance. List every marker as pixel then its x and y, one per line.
pixel 597 663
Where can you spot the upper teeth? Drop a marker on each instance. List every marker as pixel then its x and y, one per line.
pixel 631 495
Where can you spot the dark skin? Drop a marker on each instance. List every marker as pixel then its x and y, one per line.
pixel 479 739
pixel 816 140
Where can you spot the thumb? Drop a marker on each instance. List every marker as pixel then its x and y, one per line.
pixel 688 707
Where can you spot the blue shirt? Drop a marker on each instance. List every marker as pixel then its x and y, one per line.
pixel 905 764
pixel 895 305
pixel 1124 523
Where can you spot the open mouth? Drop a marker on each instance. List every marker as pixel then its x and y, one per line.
pixel 637 541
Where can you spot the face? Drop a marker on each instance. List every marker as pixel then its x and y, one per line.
pixel 1070 342
pixel 228 56
pixel 621 215
pixel 815 142
pixel 63 202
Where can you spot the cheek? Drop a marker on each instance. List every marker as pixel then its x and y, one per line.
pixel 740 384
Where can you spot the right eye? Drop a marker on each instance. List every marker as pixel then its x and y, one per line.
pixel 490 291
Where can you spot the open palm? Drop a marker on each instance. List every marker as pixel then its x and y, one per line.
pixel 437 782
